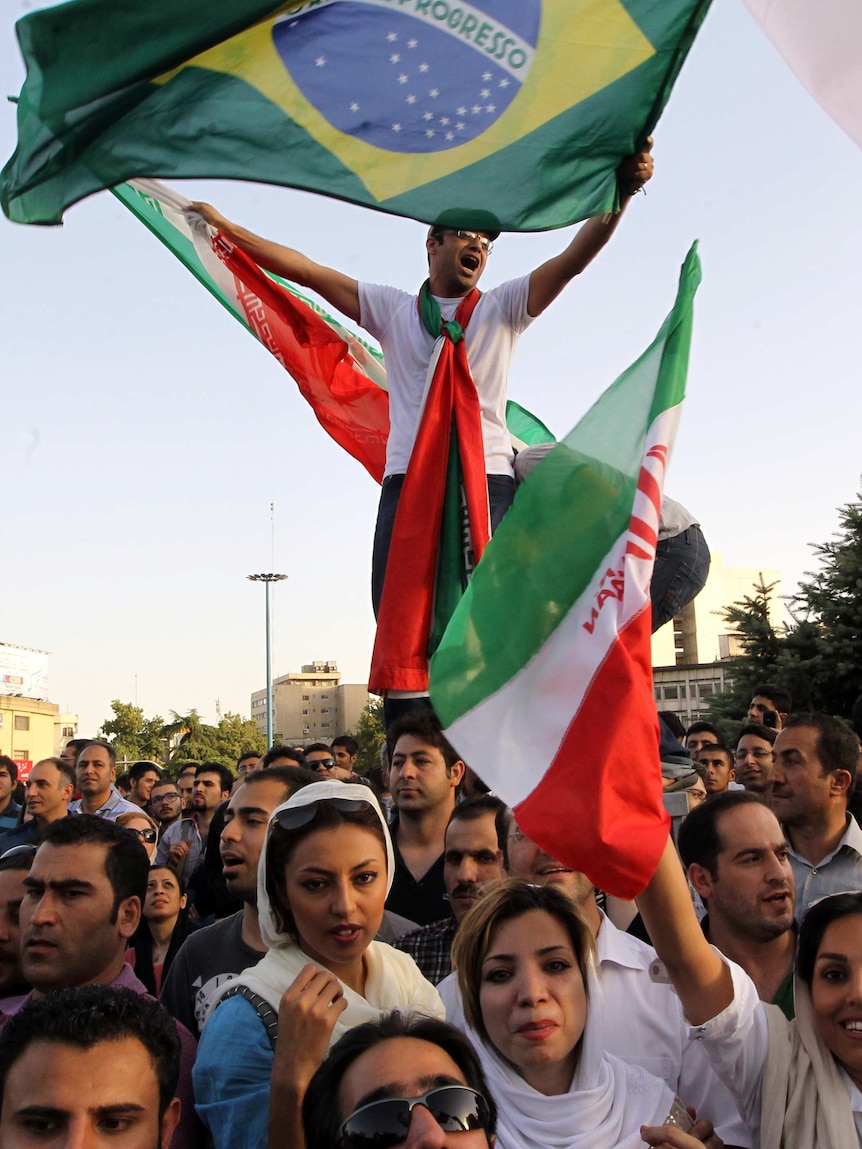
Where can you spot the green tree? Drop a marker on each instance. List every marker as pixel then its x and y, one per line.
pixel 819 657
pixel 831 601
pixel 369 733
pixel 223 743
pixel 133 736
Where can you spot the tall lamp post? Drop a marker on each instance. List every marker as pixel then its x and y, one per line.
pixel 267 579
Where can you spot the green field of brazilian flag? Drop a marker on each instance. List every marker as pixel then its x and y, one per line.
pixel 512 114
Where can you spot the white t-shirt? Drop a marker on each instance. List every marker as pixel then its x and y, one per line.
pixel 392 317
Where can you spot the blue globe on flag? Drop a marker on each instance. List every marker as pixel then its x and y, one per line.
pixel 423 77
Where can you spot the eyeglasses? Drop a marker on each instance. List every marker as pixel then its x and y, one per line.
pixel 384 1124
pixel 160 798
pixel 696 793
pixel 473 236
pixel 16 851
pixel 759 754
pixel 301 815
pixel 148 836
pixel 327 763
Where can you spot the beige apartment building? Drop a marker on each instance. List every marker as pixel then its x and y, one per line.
pixel 690 653
pixel 311 706
pixel 32 729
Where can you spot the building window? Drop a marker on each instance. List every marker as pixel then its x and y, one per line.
pixel 21 755
pixel 305 698
pixel 324 696
pixel 324 726
pixel 324 710
pixel 68 732
pixel 305 710
pixel 671 693
pixel 22 722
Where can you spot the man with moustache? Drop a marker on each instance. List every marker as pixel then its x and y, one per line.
pixel 738 861
pixel 473 855
pixel 816 763
pixel 96 772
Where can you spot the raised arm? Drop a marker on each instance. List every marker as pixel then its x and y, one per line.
pixel 699 976
pixel 548 281
pixel 337 289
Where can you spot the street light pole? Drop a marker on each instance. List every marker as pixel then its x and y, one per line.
pixel 267 579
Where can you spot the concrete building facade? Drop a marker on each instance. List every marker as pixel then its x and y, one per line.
pixel 28 730
pixel 311 706
pixel 690 654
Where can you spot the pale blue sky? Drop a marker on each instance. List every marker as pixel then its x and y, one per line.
pixel 145 433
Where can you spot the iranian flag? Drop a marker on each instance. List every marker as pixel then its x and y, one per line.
pixel 543 679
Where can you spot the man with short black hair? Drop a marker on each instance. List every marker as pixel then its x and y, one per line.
pixel 283 756
pixel 816 762
pixel 754 758
pixel 737 859
pixel 72 749
pixel 10 811
pixel 770 706
pixel 14 986
pixel 474 855
pixel 211 956
pixel 345 750
pixel 49 789
pixel 186 786
pixel 183 844
pixel 96 772
pixel 700 734
pixel 397 1056
pixel 53 1081
pixel 81 907
pixel 424 774
pixel 719 766
pixel 142 777
pixel 248 762
pixel 320 759
pixel 166 803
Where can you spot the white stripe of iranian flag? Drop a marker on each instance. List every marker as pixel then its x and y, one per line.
pixel 531 713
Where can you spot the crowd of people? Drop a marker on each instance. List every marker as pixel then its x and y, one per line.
pixel 294 954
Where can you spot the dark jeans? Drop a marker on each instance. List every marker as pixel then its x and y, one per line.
pixel 681 567
pixel 501 492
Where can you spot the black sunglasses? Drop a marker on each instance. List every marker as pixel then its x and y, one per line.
pixel 302 815
pixel 148 836
pixel 384 1124
pixel 318 762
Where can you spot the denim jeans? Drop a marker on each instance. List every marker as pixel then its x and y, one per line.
pixel 681 567
pixel 501 492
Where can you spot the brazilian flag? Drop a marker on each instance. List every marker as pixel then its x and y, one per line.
pixel 511 114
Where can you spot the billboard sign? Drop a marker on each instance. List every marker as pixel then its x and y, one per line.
pixel 23 671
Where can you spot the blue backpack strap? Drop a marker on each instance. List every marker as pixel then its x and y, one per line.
pixel 264 1010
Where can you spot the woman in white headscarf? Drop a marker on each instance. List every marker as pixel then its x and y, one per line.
pixel 533 1008
pixel 324 873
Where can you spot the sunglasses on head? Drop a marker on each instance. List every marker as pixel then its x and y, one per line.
pixel 384 1124
pixel 30 848
pixel 301 815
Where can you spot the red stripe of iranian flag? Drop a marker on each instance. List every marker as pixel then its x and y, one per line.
pixel 543 679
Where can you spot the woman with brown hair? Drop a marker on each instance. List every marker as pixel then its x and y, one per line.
pixel 323 877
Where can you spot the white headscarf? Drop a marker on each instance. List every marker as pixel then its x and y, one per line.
pixel 393 979
pixel 605 1105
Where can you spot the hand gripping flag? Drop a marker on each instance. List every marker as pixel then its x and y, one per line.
pixel 512 114
pixel 543 679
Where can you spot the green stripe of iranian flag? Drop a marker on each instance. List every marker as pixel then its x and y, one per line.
pixel 565 575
